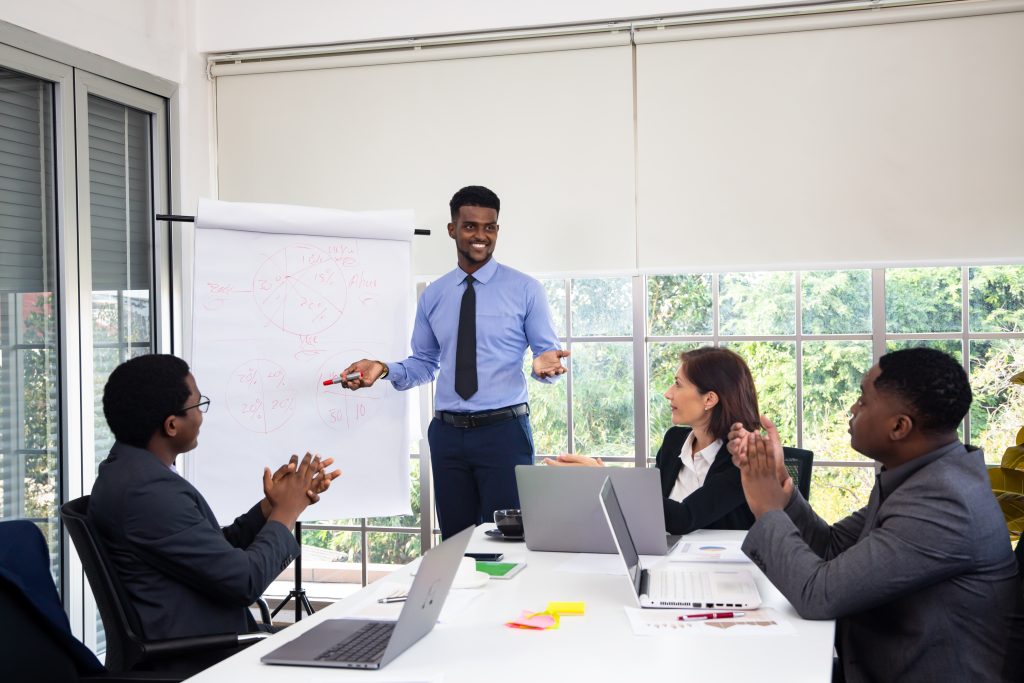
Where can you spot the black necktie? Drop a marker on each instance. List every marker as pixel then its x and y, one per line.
pixel 465 346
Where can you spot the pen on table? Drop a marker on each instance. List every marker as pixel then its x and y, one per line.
pixel 389 600
pixel 347 378
pixel 710 615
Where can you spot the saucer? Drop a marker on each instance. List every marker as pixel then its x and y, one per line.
pixel 474 580
pixel 494 533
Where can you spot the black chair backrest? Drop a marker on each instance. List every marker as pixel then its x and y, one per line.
pixel 799 463
pixel 120 621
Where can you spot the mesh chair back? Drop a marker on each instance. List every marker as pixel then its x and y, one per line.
pixel 120 621
pixel 799 462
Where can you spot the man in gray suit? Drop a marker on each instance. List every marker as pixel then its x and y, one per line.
pixel 185 576
pixel 922 580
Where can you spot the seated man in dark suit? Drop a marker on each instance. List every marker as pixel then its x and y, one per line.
pixel 922 580
pixel 184 575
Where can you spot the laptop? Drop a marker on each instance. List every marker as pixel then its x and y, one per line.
pixel 676 586
pixel 561 512
pixel 371 644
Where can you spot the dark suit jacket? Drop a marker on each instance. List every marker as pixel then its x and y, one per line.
pixel 718 504
pixel 922 579
pixel 184 574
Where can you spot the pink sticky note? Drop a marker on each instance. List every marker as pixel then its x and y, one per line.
pixel 529 620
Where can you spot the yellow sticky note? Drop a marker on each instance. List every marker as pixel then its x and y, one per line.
pixel 566 608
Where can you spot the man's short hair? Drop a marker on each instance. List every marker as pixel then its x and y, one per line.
pixel 141 393
pixel 933 385
pixel 474 195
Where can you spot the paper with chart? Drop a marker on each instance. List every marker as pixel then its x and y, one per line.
pixel 661 622
pixel 285 298
pixel 701 550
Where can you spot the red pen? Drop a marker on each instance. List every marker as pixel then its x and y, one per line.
pixel 347 378
pixel 710 615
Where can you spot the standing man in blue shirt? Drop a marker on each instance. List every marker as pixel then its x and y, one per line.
pixel 474 324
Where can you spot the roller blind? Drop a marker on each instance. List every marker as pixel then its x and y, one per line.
pixel 120 196
pixel 26 182
pixel 550 132
pixel 871 144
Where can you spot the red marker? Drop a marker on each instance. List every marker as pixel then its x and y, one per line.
pixel 710 615
pixel 347 378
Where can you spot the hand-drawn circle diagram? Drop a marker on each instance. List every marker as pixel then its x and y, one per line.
pixel 300 289
pixel 259 397
pixel 342 408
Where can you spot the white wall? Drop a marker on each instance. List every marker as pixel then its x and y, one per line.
pixel 156 37
pixel 150 36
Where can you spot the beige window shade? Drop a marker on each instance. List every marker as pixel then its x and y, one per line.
pixel 871 144
pixel 551 132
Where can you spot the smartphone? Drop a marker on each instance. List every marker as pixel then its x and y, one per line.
pixel 486 557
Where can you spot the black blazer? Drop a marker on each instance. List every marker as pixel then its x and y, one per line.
pixel 718 504
pixel 184 575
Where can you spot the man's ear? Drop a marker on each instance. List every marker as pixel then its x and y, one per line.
pixel 902 425
pixel 451 230
pixel 170 425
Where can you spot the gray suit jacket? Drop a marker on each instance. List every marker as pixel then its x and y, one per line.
pixel 922 580
pixel 184 574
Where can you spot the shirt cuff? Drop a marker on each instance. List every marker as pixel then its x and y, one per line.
pixel 397 374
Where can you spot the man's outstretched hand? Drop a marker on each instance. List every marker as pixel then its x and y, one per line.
pixel 549 363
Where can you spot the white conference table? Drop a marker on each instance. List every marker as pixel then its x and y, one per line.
pixel 475 645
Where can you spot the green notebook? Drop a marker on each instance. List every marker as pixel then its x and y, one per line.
pixel 500 570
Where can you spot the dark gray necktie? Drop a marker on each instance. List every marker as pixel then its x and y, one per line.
pixel 465 346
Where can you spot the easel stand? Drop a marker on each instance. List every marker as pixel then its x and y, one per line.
pixel 298 594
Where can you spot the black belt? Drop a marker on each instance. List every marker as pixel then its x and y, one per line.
pixel 482 418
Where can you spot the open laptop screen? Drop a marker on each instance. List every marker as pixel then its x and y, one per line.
pixel 621 532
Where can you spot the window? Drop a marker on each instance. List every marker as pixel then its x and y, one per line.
pixel 30 435
pixel 82 172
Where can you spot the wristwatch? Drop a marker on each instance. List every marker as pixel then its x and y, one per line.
pixel 386 370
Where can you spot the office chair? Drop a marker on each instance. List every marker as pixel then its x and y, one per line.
pixel 127 649
pixel 799 463
pixel 41 646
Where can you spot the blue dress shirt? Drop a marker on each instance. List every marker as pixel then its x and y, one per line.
pixel 511 314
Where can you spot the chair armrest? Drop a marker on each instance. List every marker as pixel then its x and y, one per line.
pixel 184 646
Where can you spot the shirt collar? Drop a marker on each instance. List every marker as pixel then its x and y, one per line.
pixel 708 453
pixel 485 273
pixel 890 480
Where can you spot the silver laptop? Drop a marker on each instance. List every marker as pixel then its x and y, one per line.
pixel 370 644
pixel 675 586
pixel 561 512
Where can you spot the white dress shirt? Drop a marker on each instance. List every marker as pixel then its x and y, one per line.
pixel 695 468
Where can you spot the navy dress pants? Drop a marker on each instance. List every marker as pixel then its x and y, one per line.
pixel 474 470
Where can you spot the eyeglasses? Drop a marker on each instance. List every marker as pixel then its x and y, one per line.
pixel 203 406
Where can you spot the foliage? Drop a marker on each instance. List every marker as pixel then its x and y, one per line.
pixel 382 548
pixel 923 300
pixel 757 303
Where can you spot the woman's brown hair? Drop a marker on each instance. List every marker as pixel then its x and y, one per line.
pixel 725 373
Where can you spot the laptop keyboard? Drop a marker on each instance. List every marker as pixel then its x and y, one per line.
pixel 693 586
pixel 365 645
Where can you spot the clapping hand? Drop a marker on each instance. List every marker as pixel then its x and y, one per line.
pixel 322 480
pixel 766 482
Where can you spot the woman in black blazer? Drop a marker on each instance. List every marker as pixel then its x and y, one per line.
pixel 713 389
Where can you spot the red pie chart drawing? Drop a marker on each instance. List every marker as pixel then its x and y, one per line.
pixel 259 397
pixel 300 289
